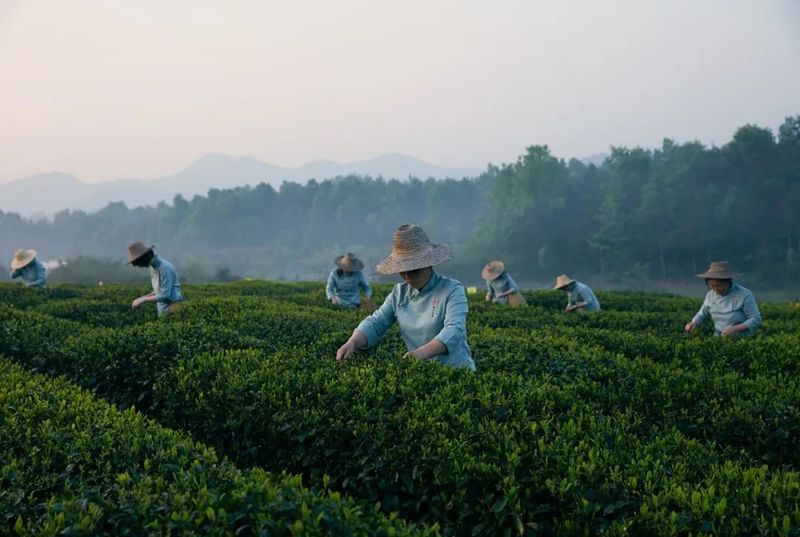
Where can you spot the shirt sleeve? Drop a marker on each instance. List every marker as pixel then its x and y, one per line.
pixel 39 272
pixel 702 314
pixel 455 318
pixel 489 289
pixel 750 310
pixel 364 285
pixel 166 281
pixel 374 326
pixel 16 273
pixel 330 288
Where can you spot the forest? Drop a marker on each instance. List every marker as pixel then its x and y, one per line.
pixel 643 215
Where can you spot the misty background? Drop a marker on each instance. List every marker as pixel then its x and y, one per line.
pixel 626 143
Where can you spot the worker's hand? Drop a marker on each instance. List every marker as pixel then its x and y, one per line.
pixel 136 303
pixel 488 297
pixel 410 356
pixel 689 327
pixel 345 351
pixel 730 331
pixel 569 309
pixel 334 300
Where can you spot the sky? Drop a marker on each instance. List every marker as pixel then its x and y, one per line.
pixel 106 89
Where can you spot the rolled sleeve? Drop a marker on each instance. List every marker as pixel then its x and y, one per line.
pixel 750 310
pixel 374 326
pixel 455 317
pixel 489 289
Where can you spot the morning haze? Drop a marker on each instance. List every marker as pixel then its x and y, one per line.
pixel 141 89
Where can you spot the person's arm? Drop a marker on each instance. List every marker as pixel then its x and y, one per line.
pixel 330 289
pixel 16 273
pixel 512 286
pixel 699 317
pixel 166 282
pixel 489 291
pixel 454 330
pixel 752 314
pixel 370 330
pixel 364 284
pixel 41 279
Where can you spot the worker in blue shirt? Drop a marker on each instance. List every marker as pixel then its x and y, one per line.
pixel 732 307
pixel 163 277
pixel 26 266
pixel 346 282
pixel 430 309
pixel 579 296
pixel 500 286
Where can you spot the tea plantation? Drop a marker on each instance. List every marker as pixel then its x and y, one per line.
pixel 232 417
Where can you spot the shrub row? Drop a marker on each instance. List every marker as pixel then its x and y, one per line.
pixel 72 465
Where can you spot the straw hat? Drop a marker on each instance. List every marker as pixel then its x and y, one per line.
pixel 563 281
pixel 718 270
pixel 22 258
pixel 137 250
pixel 492 270
pixel 411 250
pixel 349 262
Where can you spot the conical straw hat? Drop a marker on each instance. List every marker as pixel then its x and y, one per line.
pixel 137 250
pixel 493 269
pixel 22 258
pixel 349 262
pixel 563 281
pixel 411 250
pixel 718 270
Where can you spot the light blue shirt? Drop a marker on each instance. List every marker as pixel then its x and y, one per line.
pixel 33 274
pixel 736 306
pixel 437 311
pixel 582 293
pixel 499 285
pixel 347 288
pixel 165 283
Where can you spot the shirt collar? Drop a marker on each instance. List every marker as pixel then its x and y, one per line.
pixel 156 262
pixel 429 285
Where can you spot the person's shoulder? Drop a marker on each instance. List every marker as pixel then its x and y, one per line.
pixel 742 289
pixel 451 283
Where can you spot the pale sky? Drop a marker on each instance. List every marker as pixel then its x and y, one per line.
pixel 140 88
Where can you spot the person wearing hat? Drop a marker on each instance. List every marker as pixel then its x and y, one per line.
pixel 346 281
pixel 26 266
pixel 500 286
pixel 430 309
pixel 732 307
pixel 166 286
pixel 579 296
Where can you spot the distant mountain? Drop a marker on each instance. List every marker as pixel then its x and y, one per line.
pixel 597 159
pixel 45 194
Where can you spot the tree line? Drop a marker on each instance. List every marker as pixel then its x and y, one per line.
pixel 643 214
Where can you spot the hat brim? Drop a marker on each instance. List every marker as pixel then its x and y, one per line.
pixel 355 267
pixel 490 274
pixel 563 285
pixel 719 275
pixel 431 256
pixel 24 262
pixel 132 259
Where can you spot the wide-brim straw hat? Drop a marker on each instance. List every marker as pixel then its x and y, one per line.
pixel 563 281
pixel 22 258
pixel 137 250
pixel 493 269
pixel 412 250
pixel 349 262
pixel 718 270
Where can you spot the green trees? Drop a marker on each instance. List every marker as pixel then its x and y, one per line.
pixel 660 213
